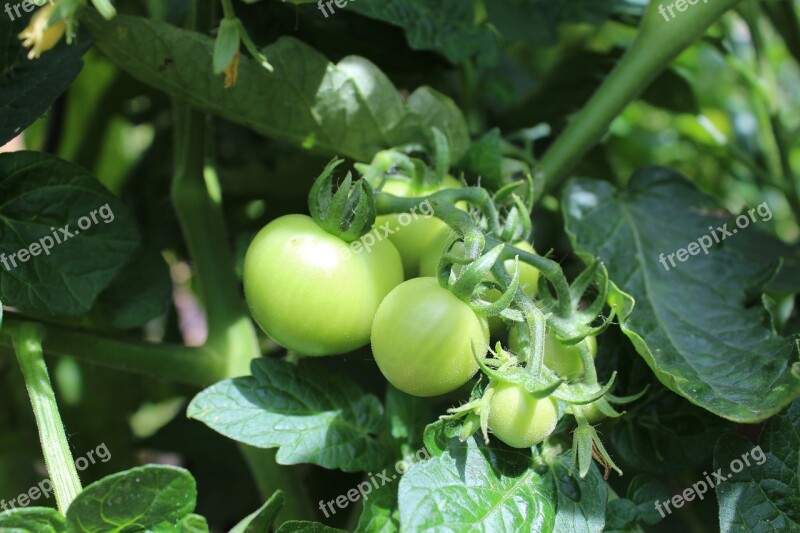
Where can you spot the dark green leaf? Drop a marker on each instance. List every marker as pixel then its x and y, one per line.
pixel 446 26
pixel 263 518
pixel 621 515
pixel 40 195
pixel 139 293
pixel 350 108
pixel 314 417
pixel 303 526
pixel 407 415
pixel 644 491
pixel 485 158
pixel 487 488
pixel 667 434
pixel 691 322
pixel 134 500
pixel 764 495
pixel 29 87
pixel 33 519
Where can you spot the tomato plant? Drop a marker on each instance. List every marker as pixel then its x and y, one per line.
pixel 551 250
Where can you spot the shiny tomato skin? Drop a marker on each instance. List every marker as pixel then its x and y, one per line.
pixel 412 238
pixel 422 338
pixel 518 419
pixel 310 291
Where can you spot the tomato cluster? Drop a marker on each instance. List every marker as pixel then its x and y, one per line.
pixel 315 296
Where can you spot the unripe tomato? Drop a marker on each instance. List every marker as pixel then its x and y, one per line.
pixel 412 238
pixel 519 419
pixel 562 359
pixel 310 292
pixel 422 338
pixel 591 412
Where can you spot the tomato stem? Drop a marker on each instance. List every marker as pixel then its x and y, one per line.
pixel 181 364
pixel 57 455
pixel 660 40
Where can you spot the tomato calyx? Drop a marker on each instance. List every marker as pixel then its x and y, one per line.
pixel 348 213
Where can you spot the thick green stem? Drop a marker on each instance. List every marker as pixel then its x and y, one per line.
pixel 660 40
pixel 194 366
pixel 197 199
pixel 57 455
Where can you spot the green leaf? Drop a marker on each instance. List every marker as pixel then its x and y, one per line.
pixel 537 20
pixel 484 159
pixel 350 108
pixel 692 323
pixel 33 519
pixel 621 516
pixel 138 294
pixel 445 26
pixel 41 195
pixel 312 416
pixel 644 491
pixel 764 495
pixel 581 504
pixel 304 526
pixel 407 415
pixel 135 500
pixel 668 434
pixel 477 487
pixel 380 512
pixel 263 518
pixel 29 87
pixel 192 524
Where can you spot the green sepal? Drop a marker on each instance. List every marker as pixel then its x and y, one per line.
pixel 226 45
pixel 350 212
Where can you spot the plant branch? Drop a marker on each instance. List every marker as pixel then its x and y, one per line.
pixel 57 455
pixel 194 366
pixel 659 41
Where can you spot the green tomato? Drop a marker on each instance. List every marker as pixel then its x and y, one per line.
pixel 412 237
pixel 591 412
pixel 562 359
pixel 432 253
pixel 422 338
pixel 310 292
pixel 519 419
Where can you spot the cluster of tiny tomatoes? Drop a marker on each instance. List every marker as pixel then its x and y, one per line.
pixel 315 289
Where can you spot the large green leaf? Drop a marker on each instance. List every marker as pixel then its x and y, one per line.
pixel 41 195
pixel 29 87
pixel 380 511
pixel 764 495
pixel 472 487
pixel 691 323
pixel 33 519
pixel 139 499
pixel 350 108
pixel 312 416
pixel 446 26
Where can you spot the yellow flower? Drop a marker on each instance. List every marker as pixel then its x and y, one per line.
pixel 38 36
